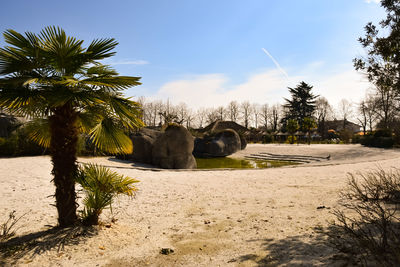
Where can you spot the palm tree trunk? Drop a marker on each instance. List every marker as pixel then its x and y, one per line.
pixel 63 146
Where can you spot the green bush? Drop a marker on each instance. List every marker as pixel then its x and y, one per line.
pixel 356 139
pixel 19 144
pixel 383 133
pixel 100 186
pixel 267 138
pixel 381 138
pixel 291 139
pixel 7 147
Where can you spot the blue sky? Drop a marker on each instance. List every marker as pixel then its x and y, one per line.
pixel 209 52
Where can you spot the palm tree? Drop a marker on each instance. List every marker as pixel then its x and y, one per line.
pixel 100 186
pixel 65 90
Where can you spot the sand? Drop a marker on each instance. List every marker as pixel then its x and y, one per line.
pixel 261 217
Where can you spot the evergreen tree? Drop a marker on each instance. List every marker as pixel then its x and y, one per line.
pixel 302 104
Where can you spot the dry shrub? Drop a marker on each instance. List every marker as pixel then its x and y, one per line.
pixel 368 220
pixel 7 229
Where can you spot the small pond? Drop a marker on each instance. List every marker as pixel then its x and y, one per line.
pixel 233 163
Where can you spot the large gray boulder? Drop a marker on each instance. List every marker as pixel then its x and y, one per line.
pixel 222 144
pixel 143 142
pixel 173 149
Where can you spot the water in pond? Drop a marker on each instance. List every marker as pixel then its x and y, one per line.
pixel 225 162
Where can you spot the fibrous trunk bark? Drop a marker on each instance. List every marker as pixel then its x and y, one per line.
pixel 64 138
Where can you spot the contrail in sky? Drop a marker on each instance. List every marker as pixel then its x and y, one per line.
pixel 276 63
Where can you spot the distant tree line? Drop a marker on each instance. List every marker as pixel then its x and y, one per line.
pixel 376 111
pixel 306 108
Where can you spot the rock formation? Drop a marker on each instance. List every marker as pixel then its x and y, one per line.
pixel 143 142
pixel 223 143
pixel 173 149
pixel 219 126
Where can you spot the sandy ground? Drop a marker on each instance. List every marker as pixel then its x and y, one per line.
pixel 262 217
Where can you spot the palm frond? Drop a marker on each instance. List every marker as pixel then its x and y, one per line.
pixel 100 49
pixel 15 81
pixel 23 101
pixel 109 137
pixel 64 51
pixel 24 54
pixel 39 131
pixel 123 185
pixel 68 81
pixel 16 39
pixel 101 70
pixel 129 112
pixel 95 177
pixel 12 61
pixel 112 82
pixel 88 120
pixel 80 97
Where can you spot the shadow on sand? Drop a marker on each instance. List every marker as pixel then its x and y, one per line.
pixel 40 242
pixel 301 250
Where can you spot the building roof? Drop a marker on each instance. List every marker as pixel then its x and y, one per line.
pixel 337 125
pixel 222 125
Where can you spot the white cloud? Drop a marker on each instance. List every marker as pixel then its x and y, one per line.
pixel 348 84
pixel 373 1
pixel 197 91
pixel 268 86
pixel 212 90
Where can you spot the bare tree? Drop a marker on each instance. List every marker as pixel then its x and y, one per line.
pixel 182 112
pixel 233 111
pixel 370 104
pixel 368 112
pixel 157 108
pixel 322 111
pixel 212 115
pixel 255 109
pixel 246 112
pixel 142 100
pixel 363 115
pixel 169 113
pixel 201 116
pixel 147 113
pixel 221 113
pixel 264 114
pixel 189 119
pixel 275 116
pixel 345 111
pixel 386 105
